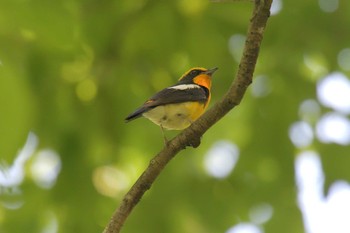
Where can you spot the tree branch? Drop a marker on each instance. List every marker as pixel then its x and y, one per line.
pixel 192 135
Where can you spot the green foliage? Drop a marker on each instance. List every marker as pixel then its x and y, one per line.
pixel 72 70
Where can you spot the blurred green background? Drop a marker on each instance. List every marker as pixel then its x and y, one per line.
pixel 71 71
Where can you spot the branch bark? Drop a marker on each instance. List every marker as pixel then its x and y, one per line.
pixel 192 135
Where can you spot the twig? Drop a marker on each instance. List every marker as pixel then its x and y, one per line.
pixel 192 134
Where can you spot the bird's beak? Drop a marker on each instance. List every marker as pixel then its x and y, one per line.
pixel 211 71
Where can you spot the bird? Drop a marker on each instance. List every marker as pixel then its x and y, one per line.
pixel 178 106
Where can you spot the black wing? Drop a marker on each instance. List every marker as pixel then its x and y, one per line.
pixel 171 96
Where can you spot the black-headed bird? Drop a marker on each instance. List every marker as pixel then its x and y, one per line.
pixel 178 106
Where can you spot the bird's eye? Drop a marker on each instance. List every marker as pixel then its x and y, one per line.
pixel 195 72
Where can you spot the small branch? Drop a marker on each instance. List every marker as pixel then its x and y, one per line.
pixel 192 134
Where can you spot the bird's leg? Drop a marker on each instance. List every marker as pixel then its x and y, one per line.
pixel 165 139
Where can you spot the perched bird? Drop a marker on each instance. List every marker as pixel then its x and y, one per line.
pixel 178 106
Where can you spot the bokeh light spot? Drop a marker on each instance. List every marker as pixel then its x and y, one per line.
pixel 236 45
pixel 301 134
pixel 308 171
pixel 86 90
pixel 338 201
pixel 193 7
pixel 276 7
pixel 45 168
pixel 309 110
pixel 261 86
pixel 344 59
pixel 12 176
pixel 221 159
pixel 316 65
pixel 321 213
pixel 333 127
pixel 328 6
pixel 51 223
pixel 334 91
pixel 261 213
pixel 244 228
pixel 110 181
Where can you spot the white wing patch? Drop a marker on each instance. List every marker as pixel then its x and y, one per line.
pixel 184 86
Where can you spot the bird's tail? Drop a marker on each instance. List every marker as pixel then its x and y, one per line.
pixel 138 113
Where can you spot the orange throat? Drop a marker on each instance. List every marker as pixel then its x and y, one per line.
pixel 203 80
